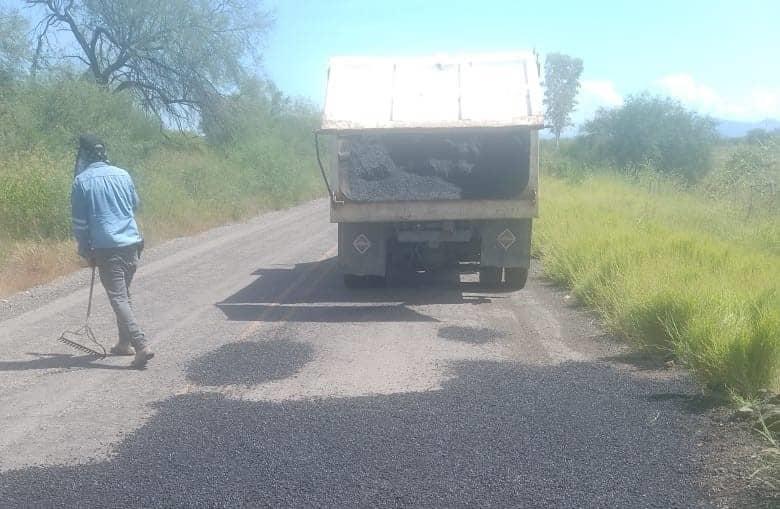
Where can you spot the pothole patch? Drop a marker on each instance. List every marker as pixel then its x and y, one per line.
pixel 250 363
pixel 473 335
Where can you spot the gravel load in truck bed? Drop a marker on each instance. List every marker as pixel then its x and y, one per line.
pixel 414 167
pixel 374 176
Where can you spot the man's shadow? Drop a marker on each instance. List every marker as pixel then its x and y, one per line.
pixel 56 361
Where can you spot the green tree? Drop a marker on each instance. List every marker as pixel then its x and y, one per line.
pixel 174 56
pixel 758 135
pixel 655 131
pixel 254 107
pixel 15 49
pixel 561 82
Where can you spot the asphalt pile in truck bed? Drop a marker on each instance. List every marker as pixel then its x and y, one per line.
pixel 374 176
pixel 425 167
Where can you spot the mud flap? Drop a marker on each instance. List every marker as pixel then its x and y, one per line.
pixel 363 248
pixel 506 243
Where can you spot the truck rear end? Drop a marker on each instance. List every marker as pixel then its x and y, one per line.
pixel 434 162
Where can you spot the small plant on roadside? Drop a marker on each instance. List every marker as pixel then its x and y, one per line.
pixel 753 410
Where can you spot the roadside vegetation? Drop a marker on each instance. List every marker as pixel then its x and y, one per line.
pixel 257 156
pixel 672 236
pixel 205 141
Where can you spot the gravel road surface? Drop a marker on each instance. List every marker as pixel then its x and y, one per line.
pixel 275 386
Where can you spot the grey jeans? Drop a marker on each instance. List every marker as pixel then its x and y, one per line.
pixel 117 267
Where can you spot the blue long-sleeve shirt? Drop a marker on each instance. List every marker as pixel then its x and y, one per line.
pixel 103 204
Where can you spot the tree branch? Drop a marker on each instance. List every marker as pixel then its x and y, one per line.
pixel 173 57
pixel 47 22
pixel 65 16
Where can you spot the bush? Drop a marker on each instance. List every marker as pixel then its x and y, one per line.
pixel 649 131
pixel 562 162
pixel 747 176
pixel 48 115
pixel 34 200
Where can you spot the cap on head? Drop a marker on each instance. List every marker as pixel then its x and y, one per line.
pixel 92 147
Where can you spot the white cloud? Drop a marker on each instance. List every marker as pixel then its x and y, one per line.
pixel 766 100
pixel 594 94
pixel 602 92
pixel 685 88
pixel 757 104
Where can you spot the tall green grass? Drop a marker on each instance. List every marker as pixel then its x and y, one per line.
pixel 678 272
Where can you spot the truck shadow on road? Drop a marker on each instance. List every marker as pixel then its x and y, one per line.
pixel 314 292
pixel 495 434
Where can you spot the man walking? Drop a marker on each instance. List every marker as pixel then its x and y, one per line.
pixel 103 202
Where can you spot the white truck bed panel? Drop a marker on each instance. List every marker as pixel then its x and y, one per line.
pixel 479 90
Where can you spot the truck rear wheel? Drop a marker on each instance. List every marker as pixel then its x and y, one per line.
pixel 516 277
pixel 489 277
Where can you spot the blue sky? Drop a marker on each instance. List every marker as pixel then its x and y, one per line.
pixel 719 57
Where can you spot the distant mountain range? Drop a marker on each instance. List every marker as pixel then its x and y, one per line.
pixel 726 128
pixel 736 129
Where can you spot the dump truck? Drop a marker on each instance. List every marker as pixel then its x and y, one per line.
pixel 432 161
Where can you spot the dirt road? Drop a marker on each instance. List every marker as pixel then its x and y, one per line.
pixel 275 386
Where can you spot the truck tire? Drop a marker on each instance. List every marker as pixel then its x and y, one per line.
pixel 489 277
pixel 516 277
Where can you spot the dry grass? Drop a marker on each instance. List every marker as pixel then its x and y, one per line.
pixel 29 263
pixel 25 264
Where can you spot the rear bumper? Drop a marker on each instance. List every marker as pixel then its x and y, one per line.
pixel 364 247
pixel 451 210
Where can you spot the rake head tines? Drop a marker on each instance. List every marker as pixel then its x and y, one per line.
pixel 76 339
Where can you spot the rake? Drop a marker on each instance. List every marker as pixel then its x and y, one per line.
pixel 77 338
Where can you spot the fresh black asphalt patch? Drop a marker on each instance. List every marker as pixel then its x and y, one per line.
pixel 250 363
pixel 496 434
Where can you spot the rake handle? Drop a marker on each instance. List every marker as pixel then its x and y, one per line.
pixel 91 289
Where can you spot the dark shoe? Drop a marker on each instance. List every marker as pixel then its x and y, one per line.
pixel 142 356
pixel 122 349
